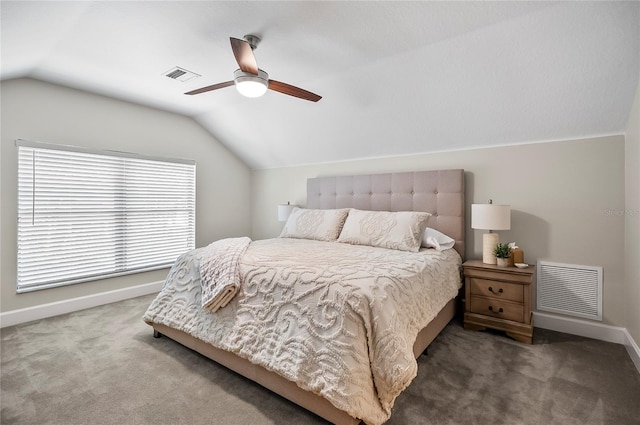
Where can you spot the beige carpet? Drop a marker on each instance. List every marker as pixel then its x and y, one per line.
pixel 102 366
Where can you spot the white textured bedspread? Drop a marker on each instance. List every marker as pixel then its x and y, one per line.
pixel 339 320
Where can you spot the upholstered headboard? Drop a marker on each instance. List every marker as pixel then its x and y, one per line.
pixel 439 192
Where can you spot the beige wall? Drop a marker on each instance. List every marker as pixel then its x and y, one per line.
pixel 632 219
pixel 35 110
pixel 564 198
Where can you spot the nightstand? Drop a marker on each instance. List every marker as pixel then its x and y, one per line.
pixel 499 298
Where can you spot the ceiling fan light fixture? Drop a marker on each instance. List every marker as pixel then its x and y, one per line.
pixel 251 85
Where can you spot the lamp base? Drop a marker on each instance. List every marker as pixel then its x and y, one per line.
pixel 489 243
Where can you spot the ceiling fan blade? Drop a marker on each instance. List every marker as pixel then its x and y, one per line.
pixel 244 55
pixel 213 87
pixel 293 91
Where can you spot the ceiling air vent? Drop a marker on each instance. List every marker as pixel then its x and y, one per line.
pixel 180 74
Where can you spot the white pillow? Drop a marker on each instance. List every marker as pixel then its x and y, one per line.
pixel 434 239
pixel 400 230
pixel 320 225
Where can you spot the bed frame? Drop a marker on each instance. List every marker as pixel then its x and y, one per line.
pixel 440 193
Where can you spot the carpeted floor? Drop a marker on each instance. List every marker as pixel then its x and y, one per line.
pixel 102 366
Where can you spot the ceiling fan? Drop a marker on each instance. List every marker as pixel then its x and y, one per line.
pixel 249 79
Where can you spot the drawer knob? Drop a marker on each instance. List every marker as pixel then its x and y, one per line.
pixel 500 310
pixel 500 291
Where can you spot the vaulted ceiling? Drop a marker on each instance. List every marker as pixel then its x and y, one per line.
pixel 396 77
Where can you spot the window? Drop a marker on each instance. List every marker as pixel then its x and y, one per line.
pixel 86 214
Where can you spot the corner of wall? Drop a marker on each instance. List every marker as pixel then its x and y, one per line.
pixel 632 219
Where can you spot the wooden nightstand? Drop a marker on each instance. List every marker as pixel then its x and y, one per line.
pixel 499 298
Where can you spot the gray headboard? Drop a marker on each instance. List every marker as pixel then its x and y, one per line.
pixel 439 192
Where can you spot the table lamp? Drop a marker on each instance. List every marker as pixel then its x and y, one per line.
pixel 284 211
pixel 490 217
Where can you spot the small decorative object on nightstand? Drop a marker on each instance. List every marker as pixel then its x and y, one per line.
pixel 499 298
pixel 502 251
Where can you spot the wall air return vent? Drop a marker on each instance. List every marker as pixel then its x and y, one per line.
pixel 180 74
pixel 570 289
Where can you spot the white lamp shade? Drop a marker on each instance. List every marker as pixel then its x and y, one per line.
pixel 284 211
pixel 490 217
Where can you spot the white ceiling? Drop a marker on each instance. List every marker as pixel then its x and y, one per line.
pixel 396 77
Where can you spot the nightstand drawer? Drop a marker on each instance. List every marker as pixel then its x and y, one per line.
pixel 497 290
pixel 497 308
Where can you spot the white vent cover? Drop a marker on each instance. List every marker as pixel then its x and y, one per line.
pixel 570 289
pixel 180 74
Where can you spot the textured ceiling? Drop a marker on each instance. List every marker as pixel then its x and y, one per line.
pixel 396 77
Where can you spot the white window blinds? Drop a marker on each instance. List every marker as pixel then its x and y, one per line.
pixel 86 215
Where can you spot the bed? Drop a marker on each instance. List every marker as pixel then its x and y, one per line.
pixel 326 300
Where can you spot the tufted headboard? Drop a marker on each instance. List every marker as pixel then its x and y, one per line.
pixel 439 192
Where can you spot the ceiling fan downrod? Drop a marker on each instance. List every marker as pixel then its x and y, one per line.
pixel 253 40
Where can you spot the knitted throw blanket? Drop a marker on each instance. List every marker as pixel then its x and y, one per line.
pixel 219 271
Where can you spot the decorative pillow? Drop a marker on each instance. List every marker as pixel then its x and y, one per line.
pixel 400 230
pixel 321 225
pixel 434 239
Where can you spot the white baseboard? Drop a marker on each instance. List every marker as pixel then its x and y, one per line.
pixel 589 329
pixel 15 317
